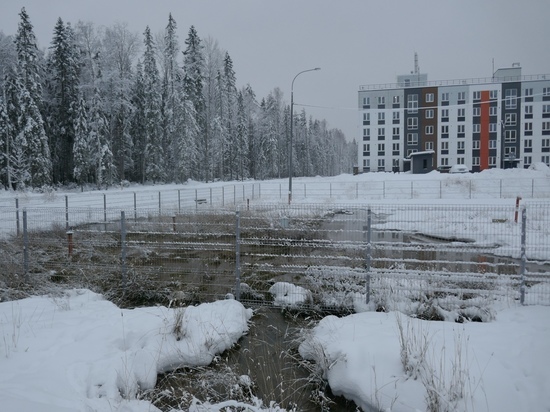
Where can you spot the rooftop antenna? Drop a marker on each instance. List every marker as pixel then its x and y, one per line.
pixel 416 68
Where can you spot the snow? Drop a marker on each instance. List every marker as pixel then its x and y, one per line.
pixel 79 352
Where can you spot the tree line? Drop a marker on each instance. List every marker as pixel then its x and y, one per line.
pixel 104 105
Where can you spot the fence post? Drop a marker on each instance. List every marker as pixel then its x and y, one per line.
pixel 532 188
pixel 368 254
pixel 440 190
pixel 305 191
pixel 237 256
pixel 66 212
pixel 244 195
pixel 210 196
pixel 70 242
pixel 25 247
pixel 259 190
pixel 252 191
pixel 17 215
pixel 330 188
pixel 234 194
pixel 104 207
pixel 196 198
pixel 160 210
pixel 523 255
pixel 470 188
pixel 135 207
pixel 280 191
pixel 412 189
pixel 501 188
pixel 179 201
pixel 384 189
pixel 223 195
pixel 123 249
pixel 357 190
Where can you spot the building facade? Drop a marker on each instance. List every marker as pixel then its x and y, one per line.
pixel 497 122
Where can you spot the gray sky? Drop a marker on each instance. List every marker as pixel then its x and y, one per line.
pixel 354 42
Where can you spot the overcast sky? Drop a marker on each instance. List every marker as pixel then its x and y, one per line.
pixel 354 42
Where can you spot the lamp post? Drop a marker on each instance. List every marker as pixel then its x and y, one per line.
pixel 291 127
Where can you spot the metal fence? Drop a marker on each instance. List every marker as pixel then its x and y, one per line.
pixel 456 259
pixel 184 198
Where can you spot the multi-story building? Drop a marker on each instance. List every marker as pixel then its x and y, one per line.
pixel 497 122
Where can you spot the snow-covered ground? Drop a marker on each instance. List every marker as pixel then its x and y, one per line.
pixel 79 352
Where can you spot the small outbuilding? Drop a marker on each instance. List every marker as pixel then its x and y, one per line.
pixel 419 162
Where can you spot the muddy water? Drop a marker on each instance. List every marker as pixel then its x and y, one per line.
pixel 268 354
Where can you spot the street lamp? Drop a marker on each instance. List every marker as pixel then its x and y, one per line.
pixel 291 126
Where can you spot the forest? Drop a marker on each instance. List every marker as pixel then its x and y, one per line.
pixel 103 106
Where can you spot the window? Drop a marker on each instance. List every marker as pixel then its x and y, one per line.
pixel 411 151
pixel 396 117
pixel 381 133
pixel 381 117
pixel 366 163
pixel 528 93
pixel 366 134
pixel 366 117
pixel 475 161
pixel 429 97
pixel 366 101
pixel 444 161
pixel 395 131
pixel 460 145
pixel 381 164
pixel 381 149
pixel 510 136
pixel 366 149
pixel 445 129
pixel 381 100
pixel 412 123
pixel 528 144
pixel 510 98
pixel 528 112
pixel 546 110
pixel 461 115
pixel 477 95
pixel 429 146
pixel 528 129
pixel 444 97
pixel 492 127
pixel 527 160
pixel 545 159
pixel 459 160
pixel 429 114
pixel 395 147
pixel 493 94
pixel 545 143
pixel 412 103
pixel 510 119
pixel 429 130
pixel 475 144
pixel 492 111
pixel 546 92
pixel 461 97
pixel 444 145
pixel 476 128
pixel 492 144
pixel 545 127
pixel 476 111
pixel 460 129
pixel 510 152
pixel 412 138
pixel 492 161
pixel 395 99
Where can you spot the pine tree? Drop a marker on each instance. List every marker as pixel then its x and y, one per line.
pixel 63 84
pixel 83 151
pixel 27 57
pixel 154 169
pixel 193 65
pixel 104 168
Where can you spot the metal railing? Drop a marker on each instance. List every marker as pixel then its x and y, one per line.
pixel 337 257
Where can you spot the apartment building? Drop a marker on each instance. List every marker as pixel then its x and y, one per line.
pixel 497 122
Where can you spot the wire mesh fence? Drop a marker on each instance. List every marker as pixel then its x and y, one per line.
pixel 437 261
pixel 181 197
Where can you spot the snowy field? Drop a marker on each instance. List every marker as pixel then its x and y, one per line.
pixel 79 352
